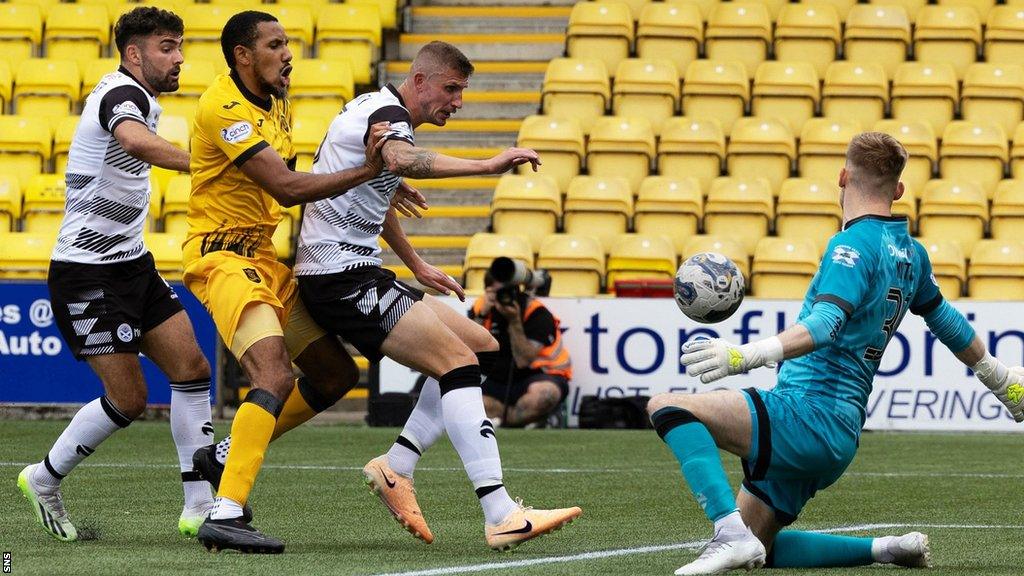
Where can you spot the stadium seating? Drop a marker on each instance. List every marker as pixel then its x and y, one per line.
pixel 94 70
pixel 43 207
pixel 691 147
pixel 25 146
pixel 203 25
pixel 297 21
pixel 602 30
pixel 25 256
pixel 62 137
pixel 307 133
pixel 716 89
pixel 725 245
pixel 947 34
pixel 623 147
pixel 286 231
pixel 78 32
pixel 954 209
pixel 484 248
pixel 919 140
pixel 166 249
pixel 21 32
pixel 175 130
pixel 576 264
pixel 1004 35
pixel 858 91
pixel 808 33
pixel 996 271
pixel 787 90
pixel 906 205
pixel 175 208
pixel 352 32
pixel 948 267
pixel 808 209
pixel 1007 214
pixel 635 256
pixel 842 7
pixel 196 76
pixel 10 203
pixel 45 88
pixel 705 6
pixel 740 209
pixel 599 207
pixel 783 267
pixel 530 205
pixel 982 7
pixel 878 34
pixel 560 142
pixel 576 88
pixel 672 207
pixel 1017 152
pixel 320 87
pixel 388 10
pixel 925 92
pixel 994 92
pixel 674 31
pixel 646 89
pixel 823 144
pixel 761 148
pixel 910 6
pixel 6 80
pixel 739 31
pixel 975 148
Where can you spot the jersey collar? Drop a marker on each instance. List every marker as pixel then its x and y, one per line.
pixel 394 91
pixel 874 217
pixel 261 103
pixel 125 71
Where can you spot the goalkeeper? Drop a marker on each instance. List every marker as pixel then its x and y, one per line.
pixel 799 437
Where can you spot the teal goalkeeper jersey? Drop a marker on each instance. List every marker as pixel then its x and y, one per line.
pixel 874 271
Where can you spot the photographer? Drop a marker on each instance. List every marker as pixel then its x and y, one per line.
pixel 531 376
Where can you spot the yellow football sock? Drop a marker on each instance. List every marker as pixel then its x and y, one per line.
pixel 296 411
pixel 250 432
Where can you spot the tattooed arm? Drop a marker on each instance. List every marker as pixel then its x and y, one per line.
pixel 409 161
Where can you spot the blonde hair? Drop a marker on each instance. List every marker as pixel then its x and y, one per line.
pixel 874 162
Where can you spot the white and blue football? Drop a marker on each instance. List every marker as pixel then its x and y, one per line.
pixel 708 287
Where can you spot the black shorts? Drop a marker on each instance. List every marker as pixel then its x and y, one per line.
pixel 361 305
pixel 106 308
pixel 498 390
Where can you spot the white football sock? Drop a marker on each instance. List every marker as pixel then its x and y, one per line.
pixel 225 509
pixel 424 427
pixel 497 506
pixel 93 424
pixel 192 428
pixel 223 447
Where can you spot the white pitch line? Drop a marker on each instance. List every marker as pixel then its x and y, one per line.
pixel 693 545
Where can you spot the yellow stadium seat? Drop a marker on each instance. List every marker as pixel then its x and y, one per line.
pixel 10 202
pixel 919 139
pixel 982 7
pixel 878 34
pixel 530 205
pixel 94 70
pixel 906 205
pixel 842 7
pixel 761 148
pixel 313 5
pixel 307 134
pixel 705 6
pixel 287 229
pixel 175 209
pixel 621 146
pixel 954 209
pixel 739 31
pixel 635 256
pixel 672 207
pixel 1004 35
pixel 599 207
pixel 46 88
pixel 994 92
pixel 602 30
pixel 808 33
pixel 910 6
pixel 741 209
pixel 320 87
pixel 156 204
pixel 297 22
pixel 1017 152
pixel 196 76
pixel 203 25
pixel 925 92
pixel 977 149
pixel 855 90
pixel 948 267
pixel 6 80
pixel 560 142
pixel 786 90
pixel 25 146
pixel 646 89
pixel 44 204
pixel 78 32
pixel 715 89
pixel 996 271
pixel 175 130
pixel 21 32
pixel 947 34
pixel 725 245
pixel 823 144
pixel 110 5
pixel 575 262
pixel 783 267
pixel 484 248
pixel 691 147
pixel 1008 210
pixel 576 88
pixel 25 256
pixel 388 10
pixel 672 31
pixel 809 209
pixel 62 137
pixel 352 32
pixel 166 250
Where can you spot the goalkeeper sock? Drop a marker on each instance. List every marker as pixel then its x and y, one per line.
pixel 424 426
pixel 94 423
pixel 697 454
pixel 796 549
pixel 191 428
pixel 251 430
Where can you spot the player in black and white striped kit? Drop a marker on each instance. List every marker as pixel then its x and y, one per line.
pixel 108 299
pixel 341 282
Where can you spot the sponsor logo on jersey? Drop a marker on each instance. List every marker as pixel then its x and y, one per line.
pixel 231 105
pixel 845 256
pixel 127 107
pixel 236 132
pixel 125 333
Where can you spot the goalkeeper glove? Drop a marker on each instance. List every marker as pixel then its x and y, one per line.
pixel 716 359
pixel 1007 384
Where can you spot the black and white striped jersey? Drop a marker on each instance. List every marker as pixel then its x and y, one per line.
pixel 341 233
pixel 107 196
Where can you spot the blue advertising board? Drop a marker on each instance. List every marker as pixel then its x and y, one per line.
pixel 36 365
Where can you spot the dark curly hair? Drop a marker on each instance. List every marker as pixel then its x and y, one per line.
pixel 145 21
pixel 241 30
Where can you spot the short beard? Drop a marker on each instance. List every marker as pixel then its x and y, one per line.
pixel 279 93
pixel 156 81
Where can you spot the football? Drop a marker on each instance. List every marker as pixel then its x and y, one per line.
pixel 708 287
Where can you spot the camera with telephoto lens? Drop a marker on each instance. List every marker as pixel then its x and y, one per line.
pixel 514 278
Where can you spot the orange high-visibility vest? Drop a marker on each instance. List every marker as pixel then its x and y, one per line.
pixel 553 358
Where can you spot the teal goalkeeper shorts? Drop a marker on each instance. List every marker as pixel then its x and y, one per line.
pixel 798 446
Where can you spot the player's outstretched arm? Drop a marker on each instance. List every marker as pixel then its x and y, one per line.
pixel 425 274
pixel 140 143
pixel 410 161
